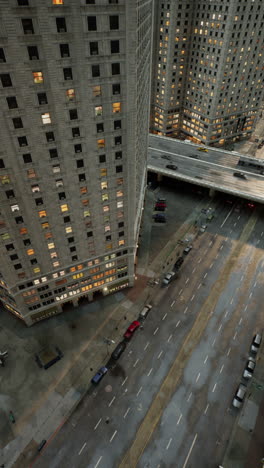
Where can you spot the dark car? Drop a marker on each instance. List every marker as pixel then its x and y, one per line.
pixel 120 348
pixel 241 175
pixel 131 329
pixel 159 208
pixel 172 167
pixel 178 263
pixel 159 218
pixel 99 375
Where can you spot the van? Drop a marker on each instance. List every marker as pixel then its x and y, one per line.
pixel 143 314
pixel 255 343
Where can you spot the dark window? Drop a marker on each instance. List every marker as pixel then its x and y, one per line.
pixel 74 257
pixel 12 102
pixel 115 68
pixel 33 53
pixel 90 2
pixel 14 257
pixel 70 239
pixel 95 71
pixel 39 201
pixel 67 72
pixel 94 48
pixel 42 98
pixel 117 124
pixel 90 234
pixel 22 2
pixel 10 193
pixel 62 195
pixel 33 261
pixel 118 140
pixel 64 50
pixel 79 163
pixel 61 25
pixel 50 136
pixel 73 114
pixel 121 234
pixel 27 25
pixel 72 249
pixel 2 164
pixel 17 122
pixel 6 80
pixel 91 21
pixel 27 242
pixel 53 153
pixel 19 219
pixel 78 148
pixel 102 158
pixel 114 22
pixel 22 141
pixel 119 168
pixel 118 155
pixel 82 177
pixel 112 2
pixel 67 219
pixel 114 47
pixel 99 127
pixel 17 266
pixel 27 158
pixel 2 55
pixel 121 224
pixel 108 238
pixel 116 88
pixel 10 247
pixel 75 132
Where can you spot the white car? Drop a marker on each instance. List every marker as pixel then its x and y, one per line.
pixel 168 277
pixel 239 396
pixel 249 369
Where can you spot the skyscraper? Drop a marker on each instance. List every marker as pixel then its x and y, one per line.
pixel 207 68
pixel 74 84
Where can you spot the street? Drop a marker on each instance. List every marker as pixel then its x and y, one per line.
pixel 167 402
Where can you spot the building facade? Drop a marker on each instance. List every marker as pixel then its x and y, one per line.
pixel 207 69
pixel 74 88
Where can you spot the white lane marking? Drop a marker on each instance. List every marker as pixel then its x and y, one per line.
pixel 178 323
pixel 146 346
pixel 211 265
pixel 213 342
pixel 226 313
pixel 222 368
pixel 250 295
pixel 199 260
pixel 187 281
pixel 194 270
pixel 139 391
pixel 150 371
pixel 197 378
pixel 220 326
pixel 124 381
pixel 155 331
pixel 168 340
pixel 255 284
pixel 232 300
pixel 242 277
pixel 180 292
pixel 160 354
pixel 205 275
pixel 206 359
pixel 234 337
pixel 188 456
pixel 199 286
pixel 245 309
pixel 258 241
pixel 168 444
pixel 235 224
pixel 239 323
pixel 189 396
pixel 231 231
pixel 221 247
pixel 217 255
pixel 210 243
pixel 114 434
pixel 205 411
pixel 113 399
pixel 164 316
pixel 238 217
pixel 82 448
pixel 185 310
pixel 97 424
pixel 173 302
pixel 214 387
pixel 228 352
pixel 227 216
pixel 97 464
pixel 135 363
pixel 126 413
pixel 261 234
pixel 178 422
pixel 193 297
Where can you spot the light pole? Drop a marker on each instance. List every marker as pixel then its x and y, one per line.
pixel 108 342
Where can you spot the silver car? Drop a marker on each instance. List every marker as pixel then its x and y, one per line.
pixel 249 369
pixel 168 278
pixel 239 396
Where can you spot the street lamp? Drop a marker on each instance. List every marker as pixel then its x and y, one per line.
pixel 108 342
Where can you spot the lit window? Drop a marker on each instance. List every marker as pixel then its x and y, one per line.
pixel 64 207
pixel 23 231
pixel 85 202
pixel 120 204
pixel 56 169
pixel 14 208
pixel 70 93
pixel 106 208
pixel 42 214
pixel 30 251
pixel 103 185
pixel 5 179
pixel 53 255
pixel 83 190
pixel 79 275
pixel 121 242
pixel 55 275
pixel 35 188
pixel 120 181
pixel 119 193
pixel 68 230
pixel 5 236
pixel 98 110
pixel 45 225
pixel 36 270
pixel 59 182
pixel 120 214
pixel 62 273
pixel 105 197
pixel 38 77
pixel 48 235
pixel 51 245
pixel 97 90
pixel 109 246
pixel 31 174
pixel 56 264
pixel 103 172
pixel 101 143
pixel 46 118
pixel 107 228
pixel 116 107
pixel 86 213
pixel 57 2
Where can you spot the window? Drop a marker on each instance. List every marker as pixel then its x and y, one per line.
pixel 119 168
pixel 11 102
pixel 70 93
pixel 6 80
pixel 59 183
pixel 5 179
pixel 42 98
pixel 27 242
pixel 116 107
pixel 119 193
pixel 17 266
pixel 97 90
pixel 27 158
pixel 90 2
pixel 66 219
pixel 30 252
pixel 38 77
pixel 33 53
pixel 103 172
pixel 75 132
pixel 9 247
pixel 116 88
pixel 95 71
pixel 2 55
pixel 90 234
pixel 70 240
pixel 114 22
pixel 42 214
pixel 31 174
pixel 79 163
pixel 39 201
pixel 104 185
pixel 82 177
pixel 61 25
pixel 56 169
pixel 35 188
pixel 14 257
pixel 62 195
pixel 51 245
pixel 91 22
pixel 67 72
pixel 64 208
pixel 10 193
pixel 78 148
pixel 83 190
pixel 99 127
pixel 114 47
pixel 73 114
pixel 118 155
pixel 106 208
pixel 118 140
pixel 102 158
pixel 2 164
pixel 22 141
pixel 57 2
pixel 120 204
pixel 19 219
pixel 94 48
pixel 115 68
pixel 22 2
pixel 119 181
pixel 50 136
pixel 101 143
pixel 46 118
pixel 45 225
pixel 117 124
pixel 17 122
pixel 68 229
pixel 64 50
pixel 98 110
pixel 27 25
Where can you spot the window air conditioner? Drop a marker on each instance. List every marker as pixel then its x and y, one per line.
pixel 50 139
pixel 65 55
pixel 62 30
pixel 100 131
pixel 68 78
pixel 42 102
pixel 34 57
pixel 78 151
pixel 23 144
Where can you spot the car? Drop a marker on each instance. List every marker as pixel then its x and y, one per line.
pixel 163 200
pixel 203 149
pixel 145 311
pixel 168 278
pixel 239 396
pixel 172 167
pixel 250 205
pixel 131 329
pixel 256 343
pixel 187 249
pixel 161 204
pixel 204 210
pixel 203 228
pixel 159 218
pixel 120 348
pixel 249 369
pixel 241 175
pixel 178 263
pixel 159 208
pixel 195 156
pixel 99 375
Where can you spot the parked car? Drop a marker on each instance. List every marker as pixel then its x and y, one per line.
pixel 161 200
pixel 203 228
pixel 120 348
pixel 239 396
pixel 249 369
pixel 145 311
pixel 203 149
pixel 159 208
pixel 131 329
pixel 240 175
pixel 159 218
pixel 173 167
pixel 187 249
pixel 178 263
pixel 161 203
pixel 99 375
pixel 168 277
pixel 256 343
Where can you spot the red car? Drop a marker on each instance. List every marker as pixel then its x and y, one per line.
pixel 161 204
pixel 131 329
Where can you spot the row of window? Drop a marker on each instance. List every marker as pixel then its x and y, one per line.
pixel 64 2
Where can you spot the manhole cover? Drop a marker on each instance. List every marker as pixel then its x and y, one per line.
pixel 108 388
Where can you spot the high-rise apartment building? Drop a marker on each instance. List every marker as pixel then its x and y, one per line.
pixel 74 87
pixel 207 68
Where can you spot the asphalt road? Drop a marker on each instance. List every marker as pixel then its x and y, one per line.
pixel 168 399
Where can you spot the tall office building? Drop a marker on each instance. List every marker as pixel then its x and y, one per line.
pixel 207 68
pixel 74 86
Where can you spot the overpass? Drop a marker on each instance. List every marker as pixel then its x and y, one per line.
pixel 213 169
